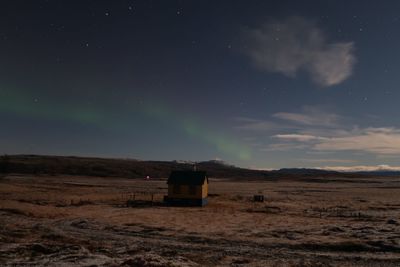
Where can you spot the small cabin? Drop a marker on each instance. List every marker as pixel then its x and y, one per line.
pixel 187 188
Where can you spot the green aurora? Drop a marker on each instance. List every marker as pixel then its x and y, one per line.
pixel 25 105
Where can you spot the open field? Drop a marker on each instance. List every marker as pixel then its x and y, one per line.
pixel 67 221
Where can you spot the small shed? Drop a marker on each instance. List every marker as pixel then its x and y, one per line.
pixel 187 188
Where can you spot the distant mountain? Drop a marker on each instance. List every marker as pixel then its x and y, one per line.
pixel 305 171
pixel 132 168
pixel 378 173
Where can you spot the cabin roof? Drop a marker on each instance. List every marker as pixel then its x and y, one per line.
pixel 187 177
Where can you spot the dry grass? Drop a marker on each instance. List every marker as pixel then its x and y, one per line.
pixel 85 221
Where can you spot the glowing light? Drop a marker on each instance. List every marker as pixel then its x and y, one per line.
pixel 23 104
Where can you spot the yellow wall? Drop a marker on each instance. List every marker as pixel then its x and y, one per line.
pixel 201 191
pixel 204 190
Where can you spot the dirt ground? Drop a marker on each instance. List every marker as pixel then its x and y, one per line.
pixel 84 221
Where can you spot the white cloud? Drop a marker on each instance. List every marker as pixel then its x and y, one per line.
pixel 308 116
pixel 316 130
pixel 379 141
pixel 314 116
pixel 299 137
pixel 295 44
pixel 374 140
pixel 256 124
pixel 329 160
pixel 283 147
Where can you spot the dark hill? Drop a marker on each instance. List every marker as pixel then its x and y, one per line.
pixel 130 168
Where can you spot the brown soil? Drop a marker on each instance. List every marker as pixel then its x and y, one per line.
pixel 84 221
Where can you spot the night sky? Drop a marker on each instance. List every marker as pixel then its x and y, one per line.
pixel 260 84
